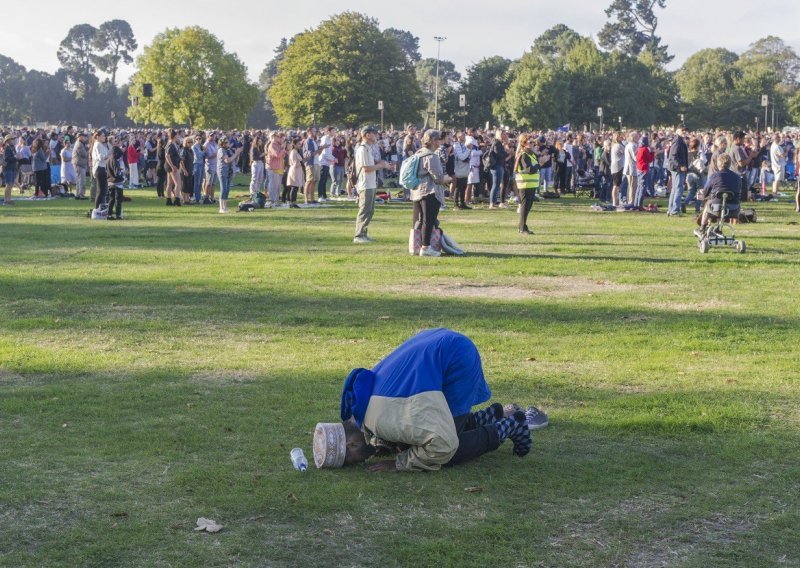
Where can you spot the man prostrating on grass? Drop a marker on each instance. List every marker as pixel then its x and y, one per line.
pixel 416 404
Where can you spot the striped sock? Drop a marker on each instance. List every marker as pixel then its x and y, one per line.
pixel 515 428
pixel 489 415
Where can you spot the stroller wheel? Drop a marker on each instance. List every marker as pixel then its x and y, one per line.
pixel 740 246
pixel 703 246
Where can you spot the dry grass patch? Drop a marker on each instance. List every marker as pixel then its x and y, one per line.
pixel 527 288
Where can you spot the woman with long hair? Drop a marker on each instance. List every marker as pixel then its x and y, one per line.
pixel 226 158
pixel 295 177
pixel 68 175
pixel 41 169
pixel 161 168
pixel 172 154
pixel 256 166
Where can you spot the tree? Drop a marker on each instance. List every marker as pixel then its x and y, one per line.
pixel 555 43
pixel 538 96
pixel 407 41
pixel 772 53
pixel 77 54
pixel 115 42
pixel 337 73
pixel 426 77
pixel 195 82
pixel 485 84
pixel 794 108
pixel 14 106
pixel 632 28
pixel 707 81
pixel 263 115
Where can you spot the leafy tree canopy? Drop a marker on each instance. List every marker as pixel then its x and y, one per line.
pixel 195 82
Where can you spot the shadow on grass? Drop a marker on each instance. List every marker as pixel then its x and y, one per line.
pixel 255 303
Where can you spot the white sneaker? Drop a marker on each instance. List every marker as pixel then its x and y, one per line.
pixel 370 239
pixel 223 210
pixel 361 240
pixel 322 200
pixel 429 252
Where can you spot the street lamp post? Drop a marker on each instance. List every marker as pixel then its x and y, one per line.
pixel 439 40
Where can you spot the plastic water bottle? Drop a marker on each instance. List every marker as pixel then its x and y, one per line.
pixel 298 459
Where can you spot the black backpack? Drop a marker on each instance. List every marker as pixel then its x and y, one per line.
pixel 488 160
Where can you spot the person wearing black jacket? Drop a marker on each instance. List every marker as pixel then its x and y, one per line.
pixel 678 165
pixel 498 159
pixel 721 181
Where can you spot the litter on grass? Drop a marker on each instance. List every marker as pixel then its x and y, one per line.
pixel 208 525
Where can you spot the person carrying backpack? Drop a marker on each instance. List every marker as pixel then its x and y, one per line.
pixel 428 195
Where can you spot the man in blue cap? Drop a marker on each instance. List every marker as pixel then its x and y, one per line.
pixel 416 404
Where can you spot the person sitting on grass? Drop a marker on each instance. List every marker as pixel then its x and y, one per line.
pixel 719 182
pixel 416 404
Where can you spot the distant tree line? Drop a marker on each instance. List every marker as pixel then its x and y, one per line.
pixel 337 72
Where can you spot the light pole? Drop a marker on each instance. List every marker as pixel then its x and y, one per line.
pixel 439 40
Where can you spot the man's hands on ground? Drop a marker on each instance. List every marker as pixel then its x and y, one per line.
pixel 383 466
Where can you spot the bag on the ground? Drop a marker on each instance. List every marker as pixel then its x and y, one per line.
pixel 415 241
pixel 409 172
pixel 450 246
pixel 247 207
pixel 100 214
pixel 748 216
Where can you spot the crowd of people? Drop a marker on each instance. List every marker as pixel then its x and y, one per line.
pixel 495 167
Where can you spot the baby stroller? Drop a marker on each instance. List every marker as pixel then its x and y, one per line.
pixel 719 232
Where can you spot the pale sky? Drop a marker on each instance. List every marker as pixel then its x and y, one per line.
pixel 474 28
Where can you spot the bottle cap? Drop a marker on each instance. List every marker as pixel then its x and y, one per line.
pixel 329 445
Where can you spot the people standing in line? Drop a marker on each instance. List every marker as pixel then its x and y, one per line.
pixel 276 157
pixel 367 185
pixel 428 196
pixel 80 157
pixel 678 165
pixel 226 158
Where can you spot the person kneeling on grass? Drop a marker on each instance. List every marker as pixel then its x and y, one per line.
pixel 416 404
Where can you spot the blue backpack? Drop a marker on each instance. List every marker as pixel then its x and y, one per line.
pixel 409 172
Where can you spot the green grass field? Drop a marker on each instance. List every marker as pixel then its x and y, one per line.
pixel 159 369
